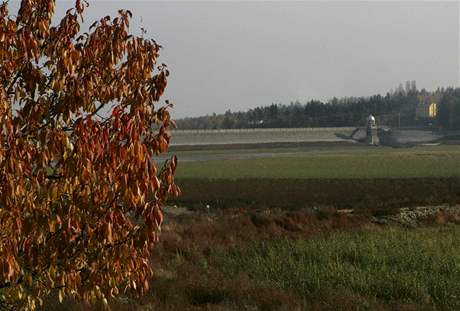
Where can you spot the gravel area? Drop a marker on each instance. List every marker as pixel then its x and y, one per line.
pixel 416 216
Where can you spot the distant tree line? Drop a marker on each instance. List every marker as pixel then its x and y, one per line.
pixel 448 117
pixel 396 108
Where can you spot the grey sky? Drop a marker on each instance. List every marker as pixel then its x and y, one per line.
pixel 239 55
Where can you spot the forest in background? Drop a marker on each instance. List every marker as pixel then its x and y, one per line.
pixel 399 107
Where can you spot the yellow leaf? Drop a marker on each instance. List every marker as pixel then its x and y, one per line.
pixel 29 279
pixel 109 233
pixel 52 226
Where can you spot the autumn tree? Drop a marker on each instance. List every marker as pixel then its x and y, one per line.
pixel 80 125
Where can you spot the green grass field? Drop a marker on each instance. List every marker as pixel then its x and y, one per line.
pixel 417 266
pixel 436 161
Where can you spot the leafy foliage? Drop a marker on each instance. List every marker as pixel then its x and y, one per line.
pixel 80 193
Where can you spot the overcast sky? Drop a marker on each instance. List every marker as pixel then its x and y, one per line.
pixel 239 55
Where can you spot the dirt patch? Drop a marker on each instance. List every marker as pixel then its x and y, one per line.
pixel 364 194
pixel 274 145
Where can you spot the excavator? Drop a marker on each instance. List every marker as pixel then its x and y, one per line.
pixel 374 134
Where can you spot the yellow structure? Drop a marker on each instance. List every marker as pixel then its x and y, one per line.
pixel 426 111
pixel 432 110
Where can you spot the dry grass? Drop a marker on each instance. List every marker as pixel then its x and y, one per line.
pixel 186 278
pixel 192 274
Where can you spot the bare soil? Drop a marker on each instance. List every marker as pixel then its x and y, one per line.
pixel 368 195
